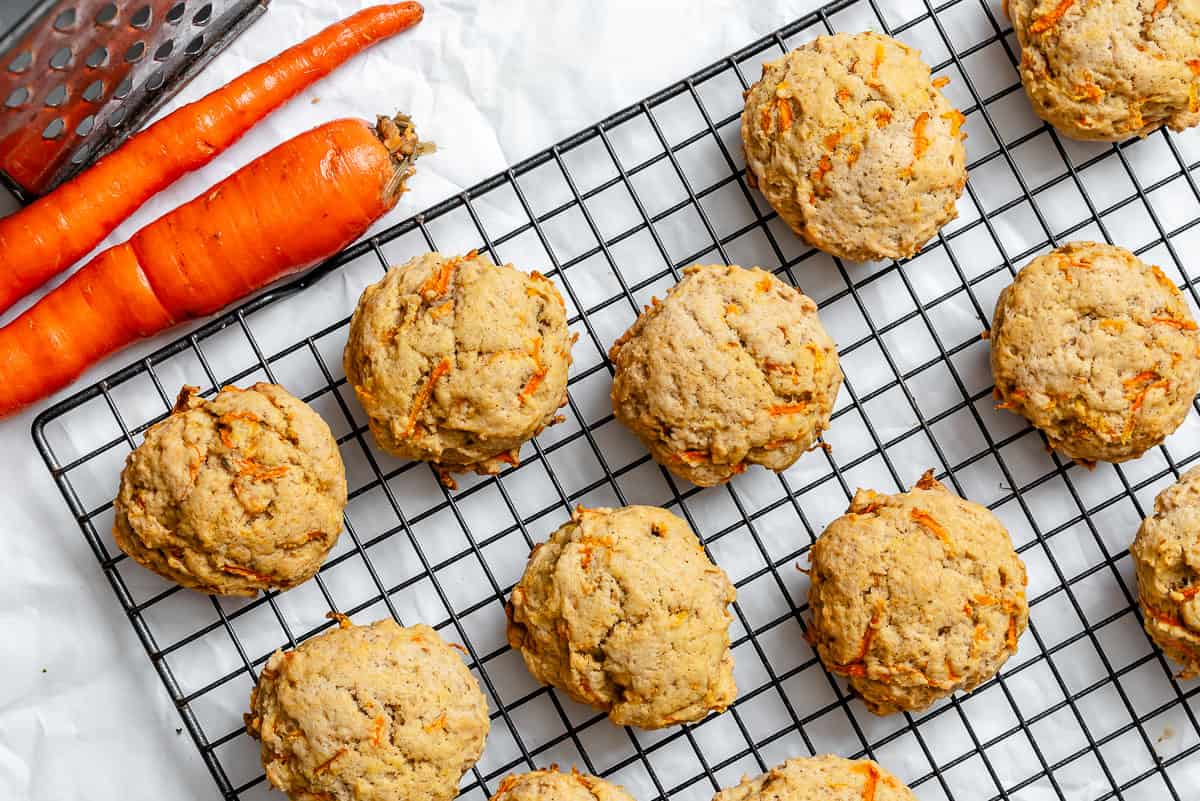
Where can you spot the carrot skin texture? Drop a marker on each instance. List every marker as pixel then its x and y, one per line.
pixel 52 233
pixel 306 199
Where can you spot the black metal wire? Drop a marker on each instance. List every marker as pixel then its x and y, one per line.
pixel 983 760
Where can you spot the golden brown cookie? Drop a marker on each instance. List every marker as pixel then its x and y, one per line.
pixel 1096 349
pixel 854 145
pixel 458 362
pixel 368 713
pixel 1166 555
pixel 551 785
pixel 732 369
pixel 1106 70
pixel 821 778
pixel 233 495
pixel 622 609
pixel 915 596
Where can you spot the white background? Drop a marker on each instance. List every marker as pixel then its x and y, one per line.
pixel 82 713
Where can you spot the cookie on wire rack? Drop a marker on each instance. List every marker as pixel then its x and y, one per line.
pixel 368 713
pixel 1106 70
pixel 915 596
pixel 233 495
pixel 732 369
pixel 623 610
pixel 459 362
pixel 553 785
pixel 1166 556
pixel 1098 350
pixel 821 778
pixel 852 142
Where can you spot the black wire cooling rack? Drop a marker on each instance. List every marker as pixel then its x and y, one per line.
pixel 1086 710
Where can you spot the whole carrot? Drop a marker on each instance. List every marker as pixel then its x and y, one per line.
pixel 302 201
pixel 52 233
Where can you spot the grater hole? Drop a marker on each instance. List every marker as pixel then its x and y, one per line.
pixel 195 46
pixel 123 89
pixel 65 20
pixel 21 62
pixel 164 50
pixel 86 125
pixel 176 13
pixel 17 97
pixel 97 57
pixel 94 91
pixel 156 80
pixel 135 52
pixel 54 129
pixel 203 15
pixel 117 117
pixel 61 58
pixel 141 18
pixel 107 16
pixel 57 96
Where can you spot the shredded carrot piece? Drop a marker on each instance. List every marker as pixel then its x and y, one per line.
pixel 764 120
pixel 377 732
pixel 763 285
pixel 508 457
pixel 1160 7
pixel 1194 99
pixel 1182 325
pixel 309 537
pixel 853 156
pixel 1194 64
pixel 1090 92
pixel 1116 326
pixel 794 408
pixel 738 468
pixel 785 113
pixel 439 282
pixel 1140 378
pixel 693 457
pixel 244 572
pixel 926 521
pixel 1190 592
pixel 445 308
pixel 941 82
pixel 882 118
pixel 843 94
pixel 950 674
pixel 258 472
pixel 926 481
pixel 1141 396
pixel 539 371
pixel 437 725
pixel 957 120
pixel 823 168
pixel 877 62
pixel 1010 637
pixel 324 766
pixel 1048 21
pixel 857 666
pixel 422 398
pixel 733 308
pixel 872 779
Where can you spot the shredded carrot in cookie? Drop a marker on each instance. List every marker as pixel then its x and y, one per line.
pixel 857 666
pixel 957 120
pixel 257 472
pixel 445 308
pixel 1090 92
pixel 422 398
pixel 324 766
pixel 1140 378
pixel 1182 325
pixel 437 725
pixel 1048 21
pixel 877 62
pixel 927 522
pixel 763 285
pixel 1190 592
pixel 733 308
pixel 941 82
pixel 764 120
pixel 843 94
pixel 1194 64
pixel 871 781
pixel 823 168
pixel 437 283
pixel 793 408
pixel 1115 326
pixel 377 731
pixel 785 113
pixel 1193 98
pixel 244 572
pixel 309 537
pixel 1159 7
pixel 883 117
pixel 831 141
pixel 920 140
pixel 539 371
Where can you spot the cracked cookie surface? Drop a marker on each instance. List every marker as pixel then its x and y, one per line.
pixel 1166 555
pixel 552 785
pixel 915 596
pixel 821 778
pixel 732 369
pixel 622 610
pixel 458 362
pixel 1096 349
pixel 368 713
pixel 851 141
pixel 1106 70
pixel 233 495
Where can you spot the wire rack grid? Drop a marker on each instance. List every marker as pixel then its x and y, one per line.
pixel 1087 709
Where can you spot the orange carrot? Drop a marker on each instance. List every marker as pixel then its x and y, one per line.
pixel 297 204
pixel 54 232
